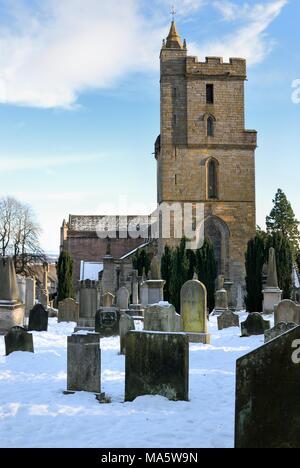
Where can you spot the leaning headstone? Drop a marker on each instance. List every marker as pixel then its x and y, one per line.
pixel 18 339
pixel 254 325
pixel 84 363
pixel 12 311
pixel 287 311
pixel 193 300
pixel 272 293
pixel 38 319
pixel 160 318
pixel 126 324
pixel 122 298
pixel 157 364
pixel 107 322
pixel 68 311
pixel 267 395
pixel 227 320
pixel 278 330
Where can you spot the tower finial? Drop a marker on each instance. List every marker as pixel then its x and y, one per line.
pixel 173 12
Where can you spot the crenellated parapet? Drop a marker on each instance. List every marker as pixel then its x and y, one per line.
pixel 215 67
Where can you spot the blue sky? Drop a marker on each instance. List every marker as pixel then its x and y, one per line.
pixel 79 98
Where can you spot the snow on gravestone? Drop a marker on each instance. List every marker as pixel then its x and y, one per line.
pixel 38 319
pixel 84 363
pixel 68 311
pixel 193 299
pixel 161 318
pixel 18 339
pixel 157 364
pixel 267 395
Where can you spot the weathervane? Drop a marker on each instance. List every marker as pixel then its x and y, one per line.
pixel 173 12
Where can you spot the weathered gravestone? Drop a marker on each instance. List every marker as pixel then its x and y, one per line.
pixel 18 339
pixel 123 298
pixel 254 325
pixel 228 319
pixel 272 293
pixel 278 330
pixel 108 299
pixel 126 324
pixel 107 322
pixel 12 311
pixel 68 311
pixel 162 318
pixel 84 363
pixel 267 395
pixel 88 303
pixel 157 364
pixel 287 311
pixel 38 319
pixel 193 299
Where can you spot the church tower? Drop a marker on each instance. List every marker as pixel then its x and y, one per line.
pixel 204 154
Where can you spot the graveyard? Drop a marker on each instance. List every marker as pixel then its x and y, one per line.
pixel 169 319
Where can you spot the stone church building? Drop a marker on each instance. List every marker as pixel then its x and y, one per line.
pixel 204 155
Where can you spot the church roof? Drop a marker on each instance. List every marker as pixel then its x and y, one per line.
pixel 84 223
pixel 173 39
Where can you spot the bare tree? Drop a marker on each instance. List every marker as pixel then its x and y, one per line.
pixel 19 235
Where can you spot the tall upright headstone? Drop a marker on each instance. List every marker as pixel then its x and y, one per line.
pixel 44 294
pixel 18 339
pixel 88 303
pixel 84 363
pixel 126 324
pixel 157 364
pixel 123 297
pixel 193 300
pixel 272 293
pixel 30 295
pixel 21 280
pixel 12 311
pixel 267 395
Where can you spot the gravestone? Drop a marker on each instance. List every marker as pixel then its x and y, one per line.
pixel 88 303
pixel 38 319
pixel 267 395
pixel 278 330
pixel 135 288
pixel 221 302
pixel 84 363
pixel 18 339
pixel 22 288
pixel 254 325
pixel 272 293
pixel 287 311
pixel 12 311
pixel 152 292
pixel 107 322
pixel 126 324
pixel 108 299
pixel 68 311
pixel 161 318
pixel 30 295
pixel 155 269
pixel 227 320
pixel 122 298
pixel 157 364
pixel 193 299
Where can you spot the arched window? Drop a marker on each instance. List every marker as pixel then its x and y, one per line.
pixel 210 126
pixel 212 176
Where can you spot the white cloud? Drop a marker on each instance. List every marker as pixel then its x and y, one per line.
pixel 13 164
pixel 54 50
pixel 57 50
pixel 250 39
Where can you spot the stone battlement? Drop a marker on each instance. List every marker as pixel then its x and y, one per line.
pixel 214 66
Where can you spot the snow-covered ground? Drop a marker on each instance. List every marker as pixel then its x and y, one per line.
pixel 35 413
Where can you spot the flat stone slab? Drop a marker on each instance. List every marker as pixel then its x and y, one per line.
pixel 267 395
pixel 157 364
